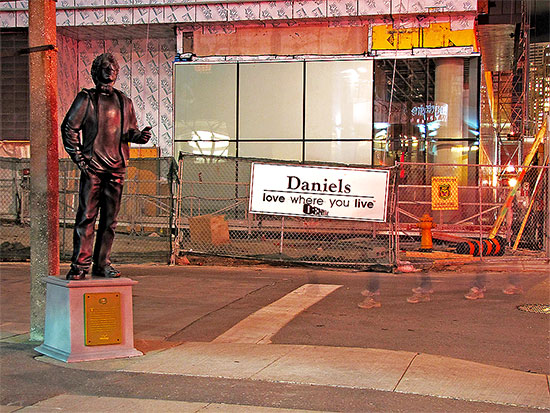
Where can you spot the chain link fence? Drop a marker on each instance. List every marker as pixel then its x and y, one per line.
pixel 212 218
pixel 474 210
pixel 201 206
pixel 14 209
pixel 478 205
pixel 14 189
pixel 144 220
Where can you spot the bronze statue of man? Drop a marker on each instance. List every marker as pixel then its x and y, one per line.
pixel 96 131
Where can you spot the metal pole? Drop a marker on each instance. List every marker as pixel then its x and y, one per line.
pixel 547 217
pixel 282 235
pixel 18 201
pixel 480 195
pixel 65 184
pixel 396 221
pixel 171 213
pixel 44 196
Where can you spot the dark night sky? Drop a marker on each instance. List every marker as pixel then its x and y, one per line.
pixel 540 21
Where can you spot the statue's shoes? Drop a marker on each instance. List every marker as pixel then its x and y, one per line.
pixel 108 272
pixel 76 274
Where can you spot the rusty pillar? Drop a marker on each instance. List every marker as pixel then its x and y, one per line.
pixel 44 196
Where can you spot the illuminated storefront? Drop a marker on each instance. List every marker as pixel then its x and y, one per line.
pixel 431 114
pixel 356 111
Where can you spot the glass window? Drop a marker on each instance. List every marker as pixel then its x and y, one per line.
pixel 206 147
pixel 270 100
pixel 339 100
pixel 291 151
pixel 205 107
pixel 354 152
pixel 276 109
pixel 419 102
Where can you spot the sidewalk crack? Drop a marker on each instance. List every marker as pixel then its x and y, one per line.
pixel 405 372
pixel 270 364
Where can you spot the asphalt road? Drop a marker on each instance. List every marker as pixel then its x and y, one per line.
pixel 203 302
pixel 198 303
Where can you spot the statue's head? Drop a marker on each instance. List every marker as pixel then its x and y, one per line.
pixel 104 69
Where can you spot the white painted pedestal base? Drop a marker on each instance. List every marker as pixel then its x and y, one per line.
pixel 64 330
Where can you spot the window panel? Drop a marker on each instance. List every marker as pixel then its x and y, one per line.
pixel 291 151
pixel 356 152
pixel 217 148
pixel 270 100
pixel 205 101
pixel 339 100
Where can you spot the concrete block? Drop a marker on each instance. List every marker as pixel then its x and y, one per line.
pixel 209 229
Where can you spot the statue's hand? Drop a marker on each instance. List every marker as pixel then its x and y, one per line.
pixel 145 135
pixel 83 166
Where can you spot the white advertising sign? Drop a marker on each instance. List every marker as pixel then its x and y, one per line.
pixel 319 192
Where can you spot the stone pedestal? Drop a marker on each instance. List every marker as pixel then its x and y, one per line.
pixel 65 328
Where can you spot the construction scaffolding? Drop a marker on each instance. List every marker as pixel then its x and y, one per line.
pixel 506 129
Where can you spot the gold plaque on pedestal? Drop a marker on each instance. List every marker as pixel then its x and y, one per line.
pixel 102 319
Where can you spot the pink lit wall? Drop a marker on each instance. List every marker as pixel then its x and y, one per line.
pixel 145 76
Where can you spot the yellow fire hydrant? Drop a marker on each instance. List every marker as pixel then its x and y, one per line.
pixel 426 224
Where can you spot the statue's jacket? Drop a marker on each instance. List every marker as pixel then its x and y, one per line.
pixel 83 117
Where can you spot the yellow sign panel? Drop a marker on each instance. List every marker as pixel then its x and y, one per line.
pixel 148 152
pixel 444 193
pixel 388 38
pixel 435 36
pixel 102 319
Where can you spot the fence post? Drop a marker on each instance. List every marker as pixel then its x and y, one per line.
pixel 282 235
pixel 479 190
pixel 138 200
pixel 171 213
pixel 396 221
pixel 236 214
pixel 65 182
pixel 18 200
pixel 547 216
pixel 175 247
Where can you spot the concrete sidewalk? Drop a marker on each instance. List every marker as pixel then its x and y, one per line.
pixel 357 368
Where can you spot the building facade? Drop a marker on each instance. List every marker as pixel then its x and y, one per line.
pixel 539 83
pixel 348 81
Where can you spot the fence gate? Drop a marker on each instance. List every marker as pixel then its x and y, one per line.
pixel 212 218
pixel 473 204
